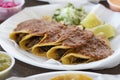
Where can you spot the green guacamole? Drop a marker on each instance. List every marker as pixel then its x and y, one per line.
pixel 5 61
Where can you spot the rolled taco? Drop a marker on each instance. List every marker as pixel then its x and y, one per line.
pixel 42 48
pixel 75 58
pixel 18 35
pixel 30 40
pixel 57 52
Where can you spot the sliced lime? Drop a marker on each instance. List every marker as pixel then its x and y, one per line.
pixel 91 21
pixel 107 29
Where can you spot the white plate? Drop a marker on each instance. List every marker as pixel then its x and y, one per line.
pixel 49 75
pixel 37 12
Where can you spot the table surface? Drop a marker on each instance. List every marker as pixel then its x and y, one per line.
pixel 22 69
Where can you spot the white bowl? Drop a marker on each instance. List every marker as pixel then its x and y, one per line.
pixel 113 6
pixel 7 12
pixel 4 74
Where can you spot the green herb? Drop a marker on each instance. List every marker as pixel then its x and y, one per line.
pixel 70 15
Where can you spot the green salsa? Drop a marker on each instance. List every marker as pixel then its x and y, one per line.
pixel 5 61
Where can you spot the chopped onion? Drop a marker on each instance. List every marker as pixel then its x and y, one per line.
pixel 7 4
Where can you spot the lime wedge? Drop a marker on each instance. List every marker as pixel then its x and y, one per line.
pixel 91 21
pixel 107 29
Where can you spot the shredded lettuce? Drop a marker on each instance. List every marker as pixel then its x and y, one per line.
pixel 70 15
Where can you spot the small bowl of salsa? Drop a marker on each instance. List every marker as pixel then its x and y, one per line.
pixel 114 5
pixel 6 64
pixel 10 7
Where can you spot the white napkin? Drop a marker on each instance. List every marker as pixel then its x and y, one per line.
pixel 64 1
pixel 72 1
pixel 96 1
